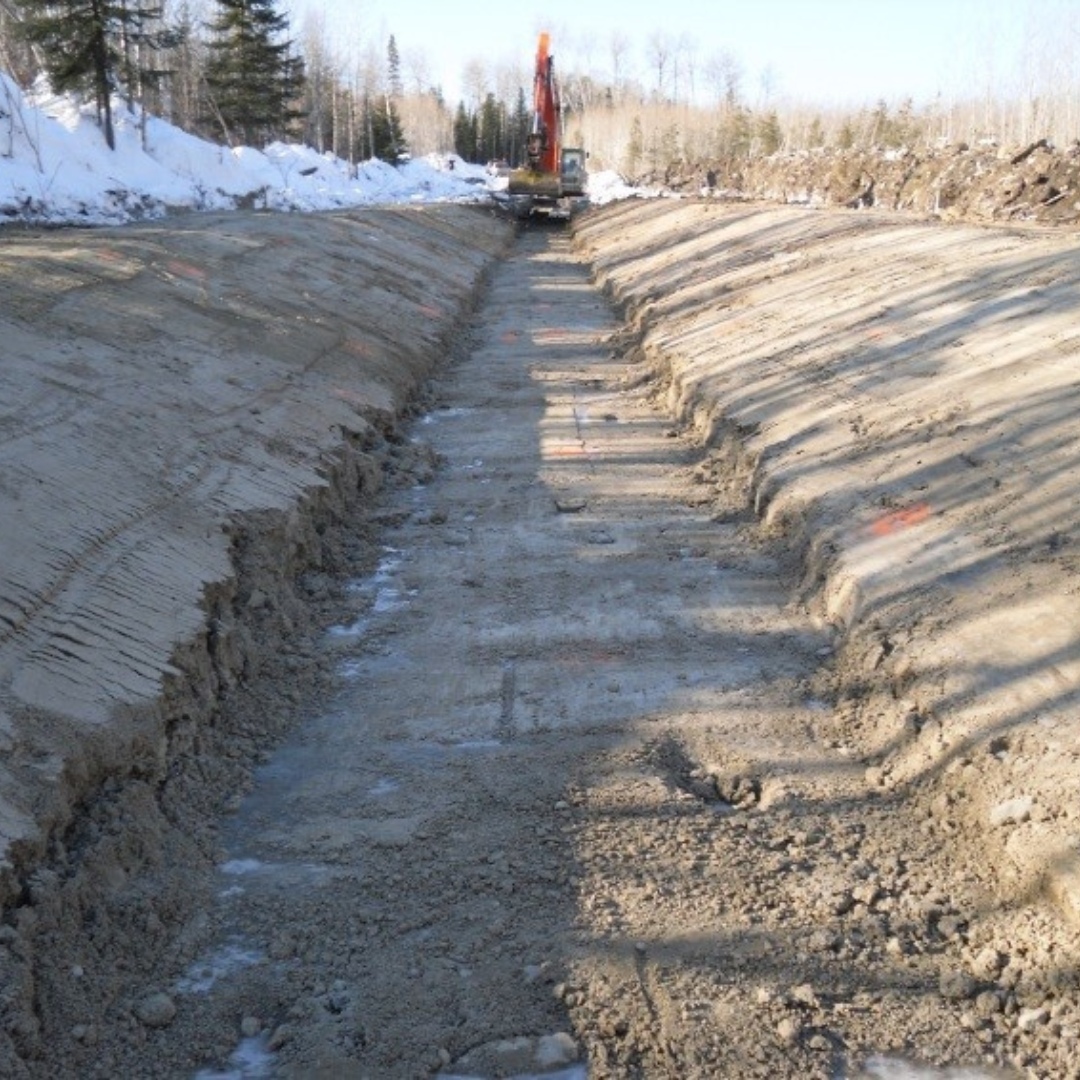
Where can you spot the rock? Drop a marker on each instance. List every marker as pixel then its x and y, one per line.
pixel 988 963
pixel 557 1049
pixel 279 1038
pixel 950 926
pixel 823 941
pixel 988 1003
pixel 957 986
pixel 156 1010
pixel 1030 1019
pixel 1012 811
pixel 789 1030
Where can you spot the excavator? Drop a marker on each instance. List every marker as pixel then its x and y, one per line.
pixel 553 176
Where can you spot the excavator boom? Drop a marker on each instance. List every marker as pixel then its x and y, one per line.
pixel 550 173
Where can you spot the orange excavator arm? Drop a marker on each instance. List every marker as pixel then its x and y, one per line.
pixel 544 145
pixel 550 173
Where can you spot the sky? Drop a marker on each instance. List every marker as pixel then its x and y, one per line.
pixel 817 51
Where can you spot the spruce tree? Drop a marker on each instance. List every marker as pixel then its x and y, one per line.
pixel 87 46
pixel 253 76
pixel 393 69
pixel 388 137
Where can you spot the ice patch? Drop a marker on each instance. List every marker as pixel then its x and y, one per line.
pixel 242 866
pixel 203 975
pixel 882 1068
pixel 385 786
pixel 250 1061
pixel 575 1072
pixel 350 669
pixel 443 414
pixel 386 596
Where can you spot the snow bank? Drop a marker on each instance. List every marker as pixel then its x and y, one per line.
pixel 55 168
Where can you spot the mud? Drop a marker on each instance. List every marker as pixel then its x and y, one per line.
pixel 684 690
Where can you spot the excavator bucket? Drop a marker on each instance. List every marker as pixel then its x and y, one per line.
pixel 541 185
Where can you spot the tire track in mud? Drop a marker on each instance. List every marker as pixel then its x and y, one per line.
pixel 566 805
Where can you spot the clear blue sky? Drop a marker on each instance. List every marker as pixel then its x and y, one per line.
pixel 818 51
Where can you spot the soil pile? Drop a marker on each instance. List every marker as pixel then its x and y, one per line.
pixel 1037 184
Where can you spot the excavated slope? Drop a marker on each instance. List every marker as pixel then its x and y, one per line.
pixel 179 403
pixel 901 398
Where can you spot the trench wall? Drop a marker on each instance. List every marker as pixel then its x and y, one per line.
pixel 189 413
pixel 899 398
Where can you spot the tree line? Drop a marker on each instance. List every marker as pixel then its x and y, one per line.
pixel 238 71
pixel 226 70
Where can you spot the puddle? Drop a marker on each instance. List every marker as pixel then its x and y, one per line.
pixel 250 1061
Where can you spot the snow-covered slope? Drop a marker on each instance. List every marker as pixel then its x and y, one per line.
pixel 55 168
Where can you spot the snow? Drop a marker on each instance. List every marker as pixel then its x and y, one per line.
pixel 56 169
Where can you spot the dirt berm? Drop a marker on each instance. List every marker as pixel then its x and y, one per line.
pixel 186 411
pixel 900 399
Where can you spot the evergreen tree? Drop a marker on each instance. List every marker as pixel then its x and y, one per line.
pixel 492 125
pixel 520 126
pixel 393 69
pixel 770 137
pixel 388 138
pixel 465 130
pixel 89 47
pixel 253 76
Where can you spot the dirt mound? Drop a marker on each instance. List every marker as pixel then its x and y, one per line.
pixel 1037 183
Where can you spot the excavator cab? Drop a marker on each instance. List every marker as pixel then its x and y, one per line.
pixel 573 171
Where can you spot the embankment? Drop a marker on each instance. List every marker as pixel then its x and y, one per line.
pixel 188 413
pixel 898 397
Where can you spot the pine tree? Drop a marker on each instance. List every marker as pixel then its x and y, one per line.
pixel 770 137
pixel 393 69
pixel 253 76
pixel 388 138
pixel 465 129
pixel 492 117
pixel 520 126
pixel 89 47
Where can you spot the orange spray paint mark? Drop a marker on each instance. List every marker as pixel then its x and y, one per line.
pixel 185 270
pixel 900 519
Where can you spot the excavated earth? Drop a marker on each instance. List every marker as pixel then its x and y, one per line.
pixel 647 648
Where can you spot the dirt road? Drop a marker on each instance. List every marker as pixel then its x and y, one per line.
pixel 577 779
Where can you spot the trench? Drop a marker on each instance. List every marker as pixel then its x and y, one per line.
pixel 560 797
